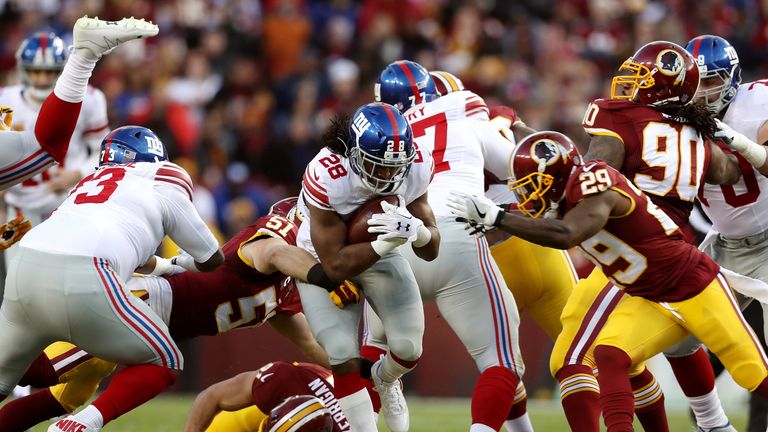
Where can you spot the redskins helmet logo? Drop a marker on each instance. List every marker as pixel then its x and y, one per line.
pixel 545 152
pixel 669 62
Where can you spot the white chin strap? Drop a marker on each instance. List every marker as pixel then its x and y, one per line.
pixel 38 94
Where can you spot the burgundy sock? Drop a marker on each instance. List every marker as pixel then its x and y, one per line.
pixel 40 373
pixel 493 396
pixel 55 125
pixel 23 413
pixel 580 397
pixel 616 400
pixel 762 389
pixel 518 408
pixel 132 387
pixel 694 373
pixel 649 402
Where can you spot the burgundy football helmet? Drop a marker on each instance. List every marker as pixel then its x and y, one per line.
pixel 446 82
pixel 540 167
pixel 298 414
pixel 288 209
pixel 659 73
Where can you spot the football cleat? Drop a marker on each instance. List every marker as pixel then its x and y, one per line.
pixel 69 424
pixel 94 37
pixel 394 409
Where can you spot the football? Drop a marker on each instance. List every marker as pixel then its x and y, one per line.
pixel 357 225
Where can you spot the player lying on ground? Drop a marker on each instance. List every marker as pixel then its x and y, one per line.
pixel 674 289
pixel 259 393
pixel 253 285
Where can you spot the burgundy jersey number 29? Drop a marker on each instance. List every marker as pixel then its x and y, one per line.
pixel 106 180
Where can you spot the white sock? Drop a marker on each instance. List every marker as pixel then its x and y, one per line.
pixel 90 416
pixel 520 424
pixel 708 410
pixel 73 81
pixel 479 427
pixel 359 411
pixel 389 370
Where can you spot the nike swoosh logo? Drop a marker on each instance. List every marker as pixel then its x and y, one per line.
pixel 590 167
pixel 482 215
pixel 263 378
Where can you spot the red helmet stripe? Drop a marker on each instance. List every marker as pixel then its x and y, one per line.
pixel 107 146
pixel 411 81
pixel 43 44
pixel 391 115
pixel 696 46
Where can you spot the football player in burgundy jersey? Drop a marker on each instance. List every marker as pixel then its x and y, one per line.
pixel 673 288
pixel 263 390
pixel 652 132
pixel 247 290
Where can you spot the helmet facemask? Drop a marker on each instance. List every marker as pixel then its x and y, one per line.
pixel 631 78
pixel 530 192
pixel 369 168
pixel 717 96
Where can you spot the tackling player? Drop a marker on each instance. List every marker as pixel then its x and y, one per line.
pixel 655 136
pixel 66 283
pixel 368 155
pixel 673 288
pixel 264 390
pixel 253 286
pixel 464 280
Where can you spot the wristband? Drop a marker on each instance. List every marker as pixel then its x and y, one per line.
pixel 754 153
pixel 317 276
pixel 162 266
pixel 382 247
pixel 423 236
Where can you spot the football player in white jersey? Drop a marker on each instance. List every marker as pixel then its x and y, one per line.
pixel 66 282
pixel 464 280
pixel 738 239
pixel 367 155
pixel 26 153
pixel 39 60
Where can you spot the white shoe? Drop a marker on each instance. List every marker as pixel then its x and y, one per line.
pixel 394 409
pixel 95 37
pixel 69 424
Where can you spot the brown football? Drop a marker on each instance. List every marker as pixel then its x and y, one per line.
pixel 357 225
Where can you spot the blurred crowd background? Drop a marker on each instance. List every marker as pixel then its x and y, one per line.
pixel 241 90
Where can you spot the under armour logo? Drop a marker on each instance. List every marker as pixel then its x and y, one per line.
pixel 401 228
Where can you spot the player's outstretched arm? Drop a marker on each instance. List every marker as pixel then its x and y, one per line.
pixel 229 395
pixel 296 329
pixel 755 154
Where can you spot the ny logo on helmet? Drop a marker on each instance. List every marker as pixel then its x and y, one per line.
pixel 154 146
pixel 359 125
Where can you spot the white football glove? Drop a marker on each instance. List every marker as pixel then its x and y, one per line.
pixel 184 260
pixel 754 153
pixel 478 212
pixel 395 227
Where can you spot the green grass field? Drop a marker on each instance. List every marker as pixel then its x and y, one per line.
pixel 166 414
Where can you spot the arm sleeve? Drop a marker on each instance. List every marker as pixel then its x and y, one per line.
pixel 97 126
pixel 183 224
pixel 496 149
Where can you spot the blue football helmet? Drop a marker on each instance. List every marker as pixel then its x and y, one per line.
pixel 404 84
pixel 381 147
pixel 41 51
pixel 132 144
pixel 716 58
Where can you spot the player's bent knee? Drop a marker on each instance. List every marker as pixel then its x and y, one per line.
pixel 406 349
